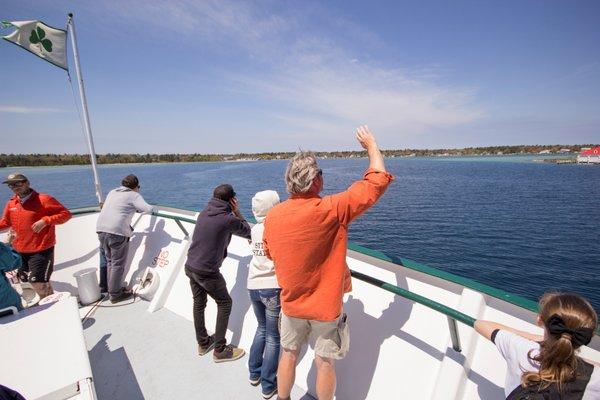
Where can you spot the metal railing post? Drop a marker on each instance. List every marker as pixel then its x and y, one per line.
pixel 185 232
pixel 454 334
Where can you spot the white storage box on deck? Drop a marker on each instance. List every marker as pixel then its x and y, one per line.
pixel 44 354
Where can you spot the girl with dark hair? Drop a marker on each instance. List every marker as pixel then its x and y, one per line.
pixel 548 366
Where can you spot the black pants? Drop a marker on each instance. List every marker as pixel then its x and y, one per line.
pixel 37 267
pixel 215 287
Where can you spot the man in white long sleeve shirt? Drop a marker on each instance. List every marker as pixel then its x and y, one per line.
pixel 114 231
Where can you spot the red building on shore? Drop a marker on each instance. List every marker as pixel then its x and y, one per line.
pixel 589 156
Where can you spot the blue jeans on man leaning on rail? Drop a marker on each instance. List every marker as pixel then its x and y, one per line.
pixel 264 353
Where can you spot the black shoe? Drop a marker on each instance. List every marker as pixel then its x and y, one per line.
pixel 124 295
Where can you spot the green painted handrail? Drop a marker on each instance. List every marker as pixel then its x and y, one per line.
pixel 466 282
pixel 447 276
pixel 85 210
pixel 450 312
pixel 417 298
pixel 173 217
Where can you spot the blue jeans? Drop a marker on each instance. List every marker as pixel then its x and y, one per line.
pixel 264 353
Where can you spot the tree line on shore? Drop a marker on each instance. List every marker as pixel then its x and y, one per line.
pixel 19 160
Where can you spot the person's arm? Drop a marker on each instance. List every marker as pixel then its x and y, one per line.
pixel 239 225
pixel 487 328
pixel 56 214
pixel 5 220
pixel 367 141
pixel 141 206
pixel 364 193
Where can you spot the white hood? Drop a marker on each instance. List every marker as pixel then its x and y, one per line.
pixel 262 202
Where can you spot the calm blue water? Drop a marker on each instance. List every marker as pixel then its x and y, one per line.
pixel 508 222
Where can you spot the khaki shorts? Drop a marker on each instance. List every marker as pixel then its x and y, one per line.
pixel 332 337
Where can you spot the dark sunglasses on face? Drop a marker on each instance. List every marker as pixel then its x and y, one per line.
pixel 320 172
pixel 15 184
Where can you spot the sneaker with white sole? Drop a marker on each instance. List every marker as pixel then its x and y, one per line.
pixel 254 381
pixel 270 394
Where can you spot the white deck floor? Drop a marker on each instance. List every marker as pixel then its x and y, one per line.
pixel 140 355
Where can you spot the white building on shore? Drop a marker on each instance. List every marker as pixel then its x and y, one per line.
pixel 589 156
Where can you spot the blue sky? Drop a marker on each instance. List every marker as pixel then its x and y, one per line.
pixel 222 76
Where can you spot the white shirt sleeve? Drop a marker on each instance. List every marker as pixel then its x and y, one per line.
pixel 592 390
pixel 515 349
pixel 141 206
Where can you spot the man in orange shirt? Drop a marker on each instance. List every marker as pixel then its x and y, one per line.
pixel 306 236
pixel 32 217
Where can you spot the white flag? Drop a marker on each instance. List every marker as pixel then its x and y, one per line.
pixel 42 40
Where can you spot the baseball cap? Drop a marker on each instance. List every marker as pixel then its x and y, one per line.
pixel 224 192
pixel 15 178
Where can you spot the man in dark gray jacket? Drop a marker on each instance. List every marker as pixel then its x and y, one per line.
pixel 114 231
pixel 215 225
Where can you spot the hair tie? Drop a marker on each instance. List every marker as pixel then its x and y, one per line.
pixel 579 337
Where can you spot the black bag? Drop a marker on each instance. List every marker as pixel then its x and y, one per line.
pixel 9 394
pixel 573 390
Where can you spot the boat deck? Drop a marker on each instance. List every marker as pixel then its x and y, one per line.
pixel 146 350
pixel 140 355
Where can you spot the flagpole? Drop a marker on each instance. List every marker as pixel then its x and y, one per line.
pixel 86 117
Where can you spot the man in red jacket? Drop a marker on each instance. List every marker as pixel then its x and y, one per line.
pixel 32 217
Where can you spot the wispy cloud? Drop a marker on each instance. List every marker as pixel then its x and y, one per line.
pixel 312 69
pixel 28 110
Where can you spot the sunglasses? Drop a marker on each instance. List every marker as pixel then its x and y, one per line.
pixel 320 172
pixel 15 184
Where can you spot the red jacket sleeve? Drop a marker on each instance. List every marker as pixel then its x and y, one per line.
pixel 55 212
pixel 361 195
pixel 5 220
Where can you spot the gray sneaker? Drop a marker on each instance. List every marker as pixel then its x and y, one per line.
pixel 269 394
pixel 254 381
pixel 202 350
pixel 229 353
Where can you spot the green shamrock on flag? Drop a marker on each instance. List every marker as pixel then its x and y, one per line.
pixel 37 36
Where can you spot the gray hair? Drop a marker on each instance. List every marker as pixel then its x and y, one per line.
pixel 300 172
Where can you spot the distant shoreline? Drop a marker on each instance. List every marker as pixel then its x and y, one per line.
pixel 48 160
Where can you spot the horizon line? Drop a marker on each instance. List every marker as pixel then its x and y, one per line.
pixel 315 151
